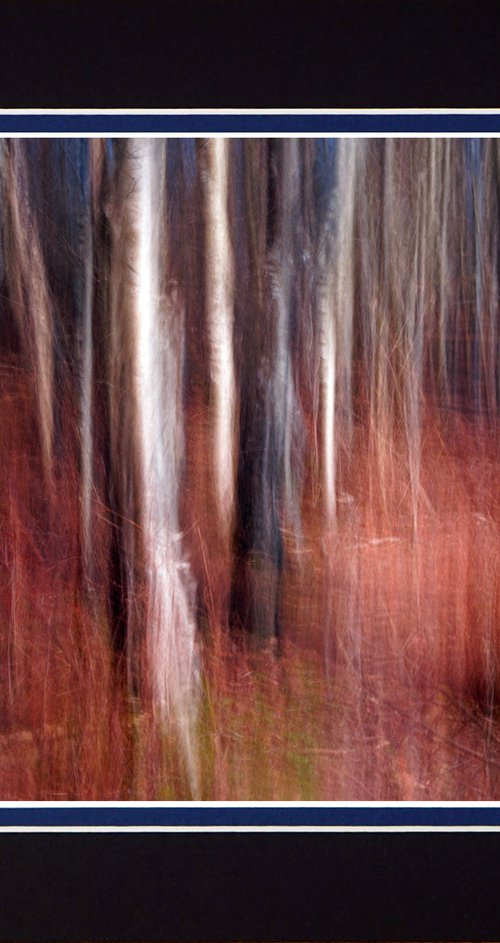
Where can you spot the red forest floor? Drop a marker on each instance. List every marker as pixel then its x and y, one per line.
pixel 385 688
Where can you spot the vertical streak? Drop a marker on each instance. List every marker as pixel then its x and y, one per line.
pixel 151 361
pixel 283 419
pixel 327 367
pixel 444 273
pixel 172 629
pixel 29 293
pixel 86 424
pixel 336 309
pixel 328 357
pixel 219 301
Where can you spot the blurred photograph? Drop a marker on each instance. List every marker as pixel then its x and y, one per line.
pixel 249 469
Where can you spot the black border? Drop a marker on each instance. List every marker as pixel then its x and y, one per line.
pixel 263 887
pixel 249 53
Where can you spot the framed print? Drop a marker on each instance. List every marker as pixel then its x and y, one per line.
pixel 249 514
pixel 250 456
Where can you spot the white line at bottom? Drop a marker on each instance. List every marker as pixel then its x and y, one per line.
pixel 249 828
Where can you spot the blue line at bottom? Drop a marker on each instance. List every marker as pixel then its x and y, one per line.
pixel 200 816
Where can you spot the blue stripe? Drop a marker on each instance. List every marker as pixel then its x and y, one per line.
pixel 261 817
pixel 209 124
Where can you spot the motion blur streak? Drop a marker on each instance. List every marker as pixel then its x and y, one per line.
pixel 146 380
pixel 249 461
pixel 29 292
pixel 219 291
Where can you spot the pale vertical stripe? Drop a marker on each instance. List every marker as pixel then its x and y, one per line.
pixel 219 300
